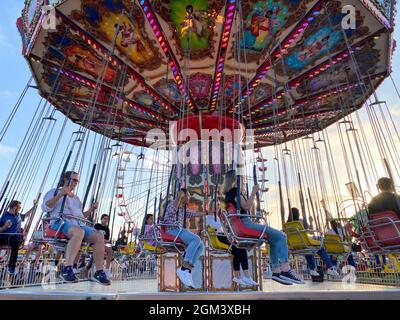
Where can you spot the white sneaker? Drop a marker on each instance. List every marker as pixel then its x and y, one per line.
pixel 249 281
pixel 314 273
pixel 239 281
pixel 332 272
pixel 190 277
pixel 184 276
pixel 108 273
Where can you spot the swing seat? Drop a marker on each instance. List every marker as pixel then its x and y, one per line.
pixel 214 241
pixel 148 247
pixel 298 238
pixel 386 228
pixel 333 244
pixel 50 233
pixel 166 237
pixel 239 228
pixel 368 241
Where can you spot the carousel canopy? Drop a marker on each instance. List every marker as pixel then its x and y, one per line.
pixel 284 68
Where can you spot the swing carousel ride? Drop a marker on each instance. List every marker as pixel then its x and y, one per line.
pixel 286 71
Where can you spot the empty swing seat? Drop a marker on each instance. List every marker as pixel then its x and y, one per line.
pixel 386 228
pixel 239 228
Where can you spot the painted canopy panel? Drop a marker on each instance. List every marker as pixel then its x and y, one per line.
pixel 288 68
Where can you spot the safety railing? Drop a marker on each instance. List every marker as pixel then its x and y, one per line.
pixel 45 273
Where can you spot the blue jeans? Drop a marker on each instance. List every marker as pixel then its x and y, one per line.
pixel 193 243
pixel 68 225
pixel 323 254
pixel 350 260
pixel 277 241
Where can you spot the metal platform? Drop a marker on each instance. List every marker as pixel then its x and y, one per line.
pixel 147 290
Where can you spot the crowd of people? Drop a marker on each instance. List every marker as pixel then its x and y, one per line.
pixel 65 211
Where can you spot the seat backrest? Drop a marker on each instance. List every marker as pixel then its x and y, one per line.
pixel 333 244
pixel 296 235
pixel 50 233
pixel 239 228
pixel 386 227
pixel 214 241
pixel 367 238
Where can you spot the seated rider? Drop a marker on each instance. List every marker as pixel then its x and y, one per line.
pixel 279 253
pixel 387 200
pixel 10 230
pixel 174 214
pixel 295 216
pixel 64 201
pixel 240 258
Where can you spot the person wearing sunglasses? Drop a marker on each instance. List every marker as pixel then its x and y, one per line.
pixel 63 201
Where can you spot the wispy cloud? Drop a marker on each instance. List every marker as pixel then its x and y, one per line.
pixel 4 41
pixel 6 151
pixel 6 94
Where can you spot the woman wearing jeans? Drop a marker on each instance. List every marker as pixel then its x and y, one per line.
pixel 174 214
pixel 279 254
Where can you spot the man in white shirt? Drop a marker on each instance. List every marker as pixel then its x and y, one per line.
pixel 63 201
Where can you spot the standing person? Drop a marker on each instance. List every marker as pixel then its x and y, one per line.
pixel 75 231
pixel 294 215
pixel 122 240
pixel 240 258
pixel 103 227
pixel 10 230
pixel 279 253
pixel 174 214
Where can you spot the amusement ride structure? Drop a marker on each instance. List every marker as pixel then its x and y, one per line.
pixel 132 75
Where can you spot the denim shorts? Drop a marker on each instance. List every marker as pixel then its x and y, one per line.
pixel 68 225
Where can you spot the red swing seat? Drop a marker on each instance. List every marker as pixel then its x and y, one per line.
pixel 386 228
pixel 238 227
pixel 166 237
pixel 50 233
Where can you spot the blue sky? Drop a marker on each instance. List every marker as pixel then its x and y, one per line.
pixel 15 73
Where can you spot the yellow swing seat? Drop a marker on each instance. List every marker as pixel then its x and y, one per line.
pixel 214 241
pixel 298 238
pixel 156 249
pixel 333 244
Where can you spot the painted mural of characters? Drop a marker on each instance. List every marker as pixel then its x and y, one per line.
pixel 169 90
pixel 130 36
pixel 195 22
pixel 314 48
pixel 88 62
pixel 258 22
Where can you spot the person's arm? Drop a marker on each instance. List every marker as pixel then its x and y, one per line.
pixel 6 225
pixel 50 201
pixel 193 214
pixel 32 210
pixel 87 213
pixel 247 204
